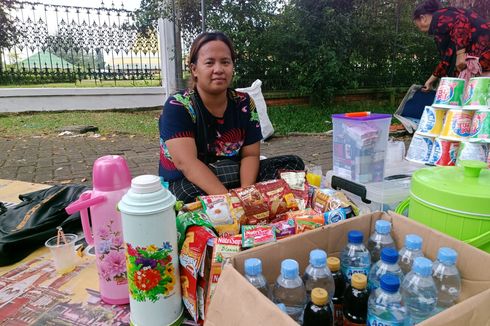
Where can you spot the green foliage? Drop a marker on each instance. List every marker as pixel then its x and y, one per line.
pixel 7 30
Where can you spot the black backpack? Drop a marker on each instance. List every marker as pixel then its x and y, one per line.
pixel 27 225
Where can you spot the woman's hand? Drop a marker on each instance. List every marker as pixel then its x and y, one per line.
pixel 428 86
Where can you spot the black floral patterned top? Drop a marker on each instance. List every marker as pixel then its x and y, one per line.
pixel 454 29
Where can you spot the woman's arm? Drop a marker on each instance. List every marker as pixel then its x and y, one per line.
pixel 184 156
pixel 249 165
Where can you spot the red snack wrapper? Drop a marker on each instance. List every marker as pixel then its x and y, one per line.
pixel 279 197
pixel 254 205
pixel 296 181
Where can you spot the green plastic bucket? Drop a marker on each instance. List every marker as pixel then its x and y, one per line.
pixel 454 200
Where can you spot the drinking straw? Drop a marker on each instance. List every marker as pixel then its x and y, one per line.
pixel 61 235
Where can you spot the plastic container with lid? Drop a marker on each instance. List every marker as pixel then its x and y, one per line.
pixel 454 200
pixel 359 145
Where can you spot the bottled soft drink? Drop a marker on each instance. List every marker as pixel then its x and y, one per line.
pixel 317 274
pixel 380 239
pixel 419 291
pixel 334 266
pixel 355 257
pixel 412 250
pixel 447 278
pixel 253 274
pixel 385 305
pixel 387 265
pixel 355 300
pixel 290 290
pixel 318 311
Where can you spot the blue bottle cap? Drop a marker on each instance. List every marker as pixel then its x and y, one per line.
pixel 282 306
pixel 253 266
pixel 289 268
pixel 355 236
pixel 382 227
pixel 389 283
pixel 318 258
pixel 447 255
pixel 389 255
pixel 413 242
pixel 422 266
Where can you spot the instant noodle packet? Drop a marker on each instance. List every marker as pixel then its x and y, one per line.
pixel 217 208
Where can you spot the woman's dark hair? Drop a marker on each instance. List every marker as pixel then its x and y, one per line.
pixel 204 38
pixel 426 7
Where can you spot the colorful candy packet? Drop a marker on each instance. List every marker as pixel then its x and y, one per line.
pixel 256 235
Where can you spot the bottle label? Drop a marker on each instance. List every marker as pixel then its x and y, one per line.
pixel 349 323
pixel 376 321
pixel 353 270
pixel 338 317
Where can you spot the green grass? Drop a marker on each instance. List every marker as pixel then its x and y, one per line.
pixel 285 119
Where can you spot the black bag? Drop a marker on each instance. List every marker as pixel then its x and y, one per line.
pixel 26 226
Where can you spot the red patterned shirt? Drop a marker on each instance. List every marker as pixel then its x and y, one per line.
pixel 454 29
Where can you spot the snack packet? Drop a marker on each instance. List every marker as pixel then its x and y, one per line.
pixel 187 219
pixel 191 257
pixel 334 216
pixel 256 235
pixel 278 196
pixel 217 209
pixel 237 211
pixel 307 223
pixel 284 228
pixel 253 204
pixel 296 181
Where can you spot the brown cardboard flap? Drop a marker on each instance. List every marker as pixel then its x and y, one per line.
pixel 473 311
pixel 237 302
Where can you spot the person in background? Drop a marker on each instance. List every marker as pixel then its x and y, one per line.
pixel 209 133
pixel 462 38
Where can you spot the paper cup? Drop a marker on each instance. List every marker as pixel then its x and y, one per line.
pixel 420 149
pixel 457 125
pixel 64 256
pixel 477 96
pixel 472 151
pixel 480 127
pixel 431 122
pixel 444 152
pixel 449 94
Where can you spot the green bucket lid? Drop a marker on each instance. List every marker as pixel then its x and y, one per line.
pixel 464 189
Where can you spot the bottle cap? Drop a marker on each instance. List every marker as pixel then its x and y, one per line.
pixel 282 306
pixel 389 255
pixel 319 296
pixel 318 258
pixel 289 268
pixel 422 266
pixel 333 263
pixel 413 242
pixel 389 283
pixel 355 236
pixel 145 184
pixel 111 173
pixel 359 281
pixel 382 227
pixel 447 255
pixel 253 266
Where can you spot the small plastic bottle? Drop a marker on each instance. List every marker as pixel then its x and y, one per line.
pixel 317 274
pixel 334 266
pixel 447 278
pixel 419 292
pixel 290 290
pixel 385 305
pixel 381 238
pixel 355 257
pixel 355 301
pixel 318 311
pixel 387 265
pixel 253 274
pixel 412 250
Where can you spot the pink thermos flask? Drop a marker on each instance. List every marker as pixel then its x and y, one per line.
pixel 111 179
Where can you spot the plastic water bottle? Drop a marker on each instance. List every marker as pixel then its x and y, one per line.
pixel 334 266
pixel 356 300
pixel 317 274
pixel 412 250
pixel 419 291
pixel 290 290
pixel 387 265
pixel 355 257
pixel 385 305
pixel 318 311
pixel 380 239
pixel 253 274
pixel 447 278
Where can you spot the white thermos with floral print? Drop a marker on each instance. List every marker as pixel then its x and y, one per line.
pixel 150 233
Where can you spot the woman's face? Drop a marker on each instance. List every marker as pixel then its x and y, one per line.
pixel 423 22
pixel 213 70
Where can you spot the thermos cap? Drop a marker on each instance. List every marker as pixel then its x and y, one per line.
pixel 110 173
pixel 145 184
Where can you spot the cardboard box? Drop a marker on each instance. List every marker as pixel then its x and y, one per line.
pixel 236 302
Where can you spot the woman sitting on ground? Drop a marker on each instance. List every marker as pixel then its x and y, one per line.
pixel 210 134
